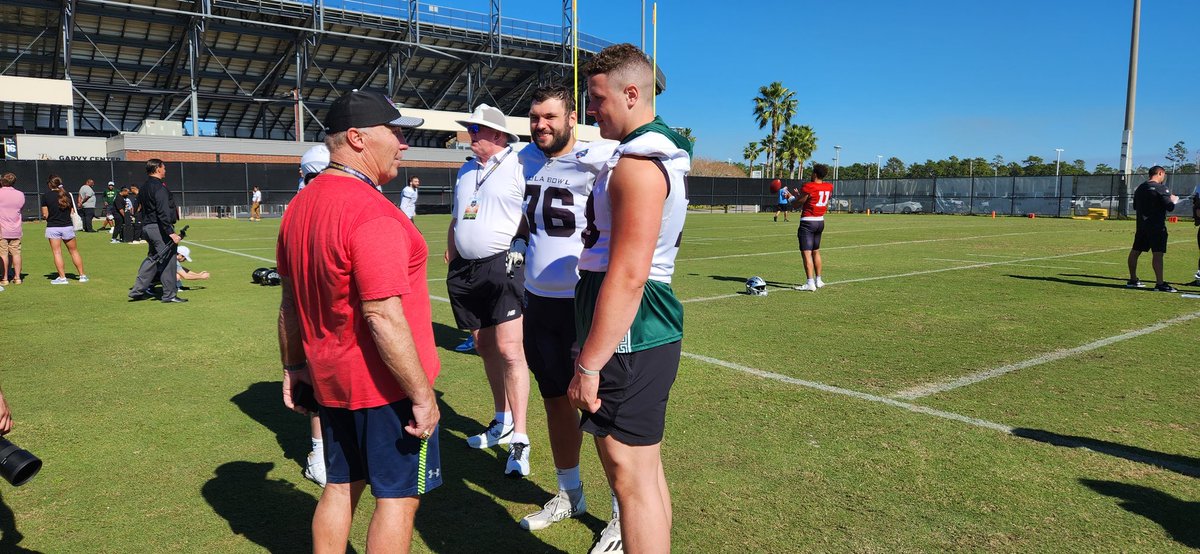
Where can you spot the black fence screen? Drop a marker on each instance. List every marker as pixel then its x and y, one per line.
pixel 223 189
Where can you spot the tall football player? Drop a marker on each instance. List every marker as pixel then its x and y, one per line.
pixel 559 174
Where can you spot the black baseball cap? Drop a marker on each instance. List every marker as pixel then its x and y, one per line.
pixel 361 108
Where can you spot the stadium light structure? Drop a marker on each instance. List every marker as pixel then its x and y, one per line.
pixel 1130 102
pixel 1058 176
pixel 878 167
pixel 837 155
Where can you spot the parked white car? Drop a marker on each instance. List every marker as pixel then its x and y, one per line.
pixel 898 208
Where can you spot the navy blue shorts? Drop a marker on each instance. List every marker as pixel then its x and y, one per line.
pixel 370 444
pixel 549 335
pixel 809 234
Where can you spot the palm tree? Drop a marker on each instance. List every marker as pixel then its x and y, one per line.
pixel 687 134
pixel 751 152
pixel 774 106
pixel 797 147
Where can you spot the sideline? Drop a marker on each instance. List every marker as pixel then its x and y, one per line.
pixel 929 389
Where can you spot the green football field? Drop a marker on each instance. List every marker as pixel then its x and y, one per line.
pixel 960 384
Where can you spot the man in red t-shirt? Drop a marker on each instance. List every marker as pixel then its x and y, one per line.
pixel 355 324
pixel 814 197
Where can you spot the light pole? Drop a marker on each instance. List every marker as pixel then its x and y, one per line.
pixel 878 167
pixel 837 155
pixel 1058 180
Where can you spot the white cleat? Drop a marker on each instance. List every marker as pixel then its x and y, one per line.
pixel 610 539
pixel 556 510
pixel 495 434
pixel 805 287
pixel 820 283
pixel 518 459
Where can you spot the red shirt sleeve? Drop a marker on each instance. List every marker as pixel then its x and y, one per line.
pixel 281 264
pixel 379 255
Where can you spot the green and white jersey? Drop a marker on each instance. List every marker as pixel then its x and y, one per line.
pixel 660 316
pixel 556 192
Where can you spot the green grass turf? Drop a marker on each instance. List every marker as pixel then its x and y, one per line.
pixel 162 430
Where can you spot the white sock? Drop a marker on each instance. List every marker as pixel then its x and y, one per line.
pixel 520 437
pixel 318 445
pixel 505 418
pixel 811 282
pixel 616 507
pixel 568 479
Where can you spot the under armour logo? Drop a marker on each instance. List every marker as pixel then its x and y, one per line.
pixel 435 473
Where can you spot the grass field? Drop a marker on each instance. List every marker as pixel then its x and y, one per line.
pixel 836 421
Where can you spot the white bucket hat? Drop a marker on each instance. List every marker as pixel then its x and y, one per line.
pixel 491 118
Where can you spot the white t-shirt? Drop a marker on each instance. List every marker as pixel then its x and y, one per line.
pixel 556 192
pixel 408 201
pixel 597 239
pixel 487 205
pixel 256 197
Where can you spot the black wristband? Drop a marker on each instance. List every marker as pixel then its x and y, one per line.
pixel 295 367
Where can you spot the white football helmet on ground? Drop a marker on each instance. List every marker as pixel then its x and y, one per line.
pixel 756 286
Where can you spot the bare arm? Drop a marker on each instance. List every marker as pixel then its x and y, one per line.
pixel 6 422
pixel 451 251
pixel 291 349
pixel 393 337
pixel 637 192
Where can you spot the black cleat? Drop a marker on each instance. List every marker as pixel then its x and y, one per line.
pixel 176 300
pixel 1164 287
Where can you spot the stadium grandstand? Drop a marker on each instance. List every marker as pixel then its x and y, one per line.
pixel 250 80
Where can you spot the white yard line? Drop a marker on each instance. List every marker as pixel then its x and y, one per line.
pixel 872 245
pixel 921 391
pixel 272 237
pixel 930 271
pixel 1077 261
pixel 234 252
pixel 1031 434
pixel 1012 262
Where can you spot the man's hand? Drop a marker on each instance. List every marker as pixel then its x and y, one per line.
pixel 1174 199
pixel 583 392
pixel 290 378
pixel 6 422
pixel 176 238
pixel 425 417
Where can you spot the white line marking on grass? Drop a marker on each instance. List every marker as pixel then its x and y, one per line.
pixel 849 246
pixel 1076 261
pixel 929 271
pixel 847 392
pixel 1098 446
pixel 234 252
pixel 272 237
pixel 929 389
pixel 1012 262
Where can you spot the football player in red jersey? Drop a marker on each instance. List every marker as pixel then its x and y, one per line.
pixel 814 197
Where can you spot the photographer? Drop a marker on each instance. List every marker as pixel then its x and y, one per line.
pixel 158 215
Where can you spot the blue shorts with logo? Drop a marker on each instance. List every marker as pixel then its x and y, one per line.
pixel 370 444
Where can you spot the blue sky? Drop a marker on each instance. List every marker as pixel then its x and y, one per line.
pixel 918 79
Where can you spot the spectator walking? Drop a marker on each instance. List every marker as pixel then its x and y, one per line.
pixel 11 202
pixel 158 225
pixel 110 196
pixel 256 205
pixel 56 210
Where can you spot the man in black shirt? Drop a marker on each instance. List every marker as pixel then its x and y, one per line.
pixel 158 217
pixel 1152 200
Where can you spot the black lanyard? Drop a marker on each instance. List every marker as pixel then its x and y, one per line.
pixel 354 172
pixel 479 181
